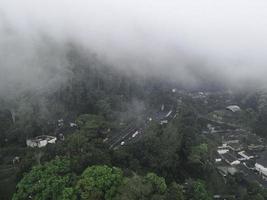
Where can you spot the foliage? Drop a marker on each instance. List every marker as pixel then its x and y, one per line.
pixel 5 124
pixel 260 125
pixel 255 192
pixel 69 194
pixel 198 153
pixel 157 182
pixel 138 187
pixel 174 192
pixel 46 181
pixel 103 98
pixel 99 182
pixel 197 191
pixel 85 147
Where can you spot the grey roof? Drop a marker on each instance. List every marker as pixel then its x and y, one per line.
pixel 229 157
pixel 233 108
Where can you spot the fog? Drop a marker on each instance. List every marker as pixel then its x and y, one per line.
pixel 183 40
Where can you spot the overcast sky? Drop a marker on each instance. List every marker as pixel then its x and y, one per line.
pixel 182 39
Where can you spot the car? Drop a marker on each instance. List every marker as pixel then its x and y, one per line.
pixel 163 122
pixel 135 134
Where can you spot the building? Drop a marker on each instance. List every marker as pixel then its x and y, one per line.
pixel 16 160
pixel 256 148
pixel 227 170
pixel 261 165
pixel 233 108
pixel 244 156
pixel 73 125
pixel 223 149
pixel 230 159
pixel 41 141
pixel 60 123
pixel 235 147
pixel 262 170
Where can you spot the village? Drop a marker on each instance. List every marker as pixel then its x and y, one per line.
pixel 238 151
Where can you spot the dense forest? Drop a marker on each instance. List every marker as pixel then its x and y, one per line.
pixel 172 161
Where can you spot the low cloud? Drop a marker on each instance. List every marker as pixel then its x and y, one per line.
pixel 185 41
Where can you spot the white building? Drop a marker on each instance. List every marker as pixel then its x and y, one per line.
pixel 244 156
pixel 233 108
pixel 222 151
pixel 73 125
pixel 262 170
pixel 41 141
pixel 261 166
pixel 230 159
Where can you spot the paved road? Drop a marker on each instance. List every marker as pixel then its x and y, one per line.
pixel 118 138
pixel 133 132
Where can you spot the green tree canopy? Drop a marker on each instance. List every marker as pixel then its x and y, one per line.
pixel 99 182
pixel 157 182
pixel 174 192
pixel 46 181
pixel 197 191
pixel 138 187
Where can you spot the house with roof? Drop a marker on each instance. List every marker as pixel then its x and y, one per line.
pixel 235 147
pixel 243 156
pixel 261 165
pixel 227 170
pixel 256 148
pixel 222 149
pixel 230 159
pixel 41 141
pixel 233 108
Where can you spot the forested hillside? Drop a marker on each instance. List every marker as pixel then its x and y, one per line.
pixel 169 160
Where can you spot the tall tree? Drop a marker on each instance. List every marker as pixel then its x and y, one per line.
pixel 99 182
pixel 46 181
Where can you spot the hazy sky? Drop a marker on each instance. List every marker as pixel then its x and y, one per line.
pixel 184 39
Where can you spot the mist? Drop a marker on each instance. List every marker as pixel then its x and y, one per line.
pixel 183 41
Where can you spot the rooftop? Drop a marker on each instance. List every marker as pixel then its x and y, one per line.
pixel 43 137
pixel 229 157
pixel 233 108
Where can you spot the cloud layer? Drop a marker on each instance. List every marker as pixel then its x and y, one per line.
pixel 185 40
